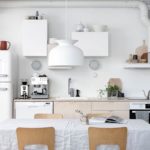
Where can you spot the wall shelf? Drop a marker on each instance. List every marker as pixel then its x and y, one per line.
pixel 137 66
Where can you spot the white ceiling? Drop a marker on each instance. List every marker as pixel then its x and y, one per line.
pixel 145 1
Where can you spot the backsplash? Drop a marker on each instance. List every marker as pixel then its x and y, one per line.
pixel 124 38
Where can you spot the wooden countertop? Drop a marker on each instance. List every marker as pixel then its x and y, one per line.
pixel 81 99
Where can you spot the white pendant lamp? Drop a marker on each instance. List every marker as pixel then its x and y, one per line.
pixel 65 55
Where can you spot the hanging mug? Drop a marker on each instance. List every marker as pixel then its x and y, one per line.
pixel 4 45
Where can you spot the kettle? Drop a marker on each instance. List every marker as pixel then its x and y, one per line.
pixel 4 45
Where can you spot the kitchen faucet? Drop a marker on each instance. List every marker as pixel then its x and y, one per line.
pixel 70 90
pixel 148 95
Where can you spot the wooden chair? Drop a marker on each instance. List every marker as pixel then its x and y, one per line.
pixel 107 136
pixel 31 136
pixel 48 116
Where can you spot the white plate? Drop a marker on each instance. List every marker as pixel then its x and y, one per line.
pixel 36 65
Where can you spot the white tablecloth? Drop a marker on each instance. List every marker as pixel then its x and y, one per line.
pixel 71 134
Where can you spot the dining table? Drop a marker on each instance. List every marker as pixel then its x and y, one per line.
pixel 72 134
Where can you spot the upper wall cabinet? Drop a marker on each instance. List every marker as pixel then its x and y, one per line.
pixel 92 43
pixel 34 38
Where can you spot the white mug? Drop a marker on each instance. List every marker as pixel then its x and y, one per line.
pixel 96 28
pixel 100 28
pixel 104 28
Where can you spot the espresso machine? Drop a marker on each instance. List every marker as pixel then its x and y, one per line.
pixel 24 89
pixel 39 87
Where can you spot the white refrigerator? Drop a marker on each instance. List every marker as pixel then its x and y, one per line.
pixel 7 82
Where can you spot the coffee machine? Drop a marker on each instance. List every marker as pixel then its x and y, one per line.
pixel 24 89
pixel 39 87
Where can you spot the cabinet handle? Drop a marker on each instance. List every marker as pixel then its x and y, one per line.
pixel 47 103
pixel 133 111
pixel 33 106
pixel 3 89
pixel 3 75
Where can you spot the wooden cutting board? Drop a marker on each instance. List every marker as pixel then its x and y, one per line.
pixel 145 57
pixel 115 81
pixel 141 50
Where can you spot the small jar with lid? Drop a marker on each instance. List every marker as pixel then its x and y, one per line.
pixel 135 59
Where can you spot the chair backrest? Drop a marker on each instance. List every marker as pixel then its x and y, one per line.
pixel 29 136
pixel 48 116
pixel 107 136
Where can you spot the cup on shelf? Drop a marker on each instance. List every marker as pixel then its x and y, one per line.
pixel 79 27
pixel 86 29
pixel 135 59
pixel 96 28
pixel 100 28
pixel 104 28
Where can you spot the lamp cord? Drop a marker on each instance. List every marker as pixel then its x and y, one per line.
pixel 66 19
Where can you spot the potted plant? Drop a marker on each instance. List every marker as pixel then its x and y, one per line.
pixel 112 90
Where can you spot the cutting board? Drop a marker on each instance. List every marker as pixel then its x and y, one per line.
pixel 141 51
pixel 115 81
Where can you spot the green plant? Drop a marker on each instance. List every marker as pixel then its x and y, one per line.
pixel 112 90
pixel 101 92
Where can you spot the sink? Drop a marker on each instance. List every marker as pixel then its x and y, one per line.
pixel 136 98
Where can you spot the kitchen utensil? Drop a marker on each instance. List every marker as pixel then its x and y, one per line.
pixel 39 87
pixel 144 57
pixel 24 89
pixel 80 27
pixel 130 59
pixel 86 29
pixel 4 45
pixel 77 93
pixel 135 59
pixel 141 50
pixel 96 28
pixel 104 28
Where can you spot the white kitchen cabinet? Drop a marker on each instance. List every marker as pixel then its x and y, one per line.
pixel 34 39
pixel 92 43
pixel 6 98
pixel 23 110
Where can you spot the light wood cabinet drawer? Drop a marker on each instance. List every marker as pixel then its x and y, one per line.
pixel 110 105
pixel 120 113
pixel 68 108
pixel 85 107
pixel 65 108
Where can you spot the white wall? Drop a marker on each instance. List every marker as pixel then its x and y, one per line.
pixel 126 34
